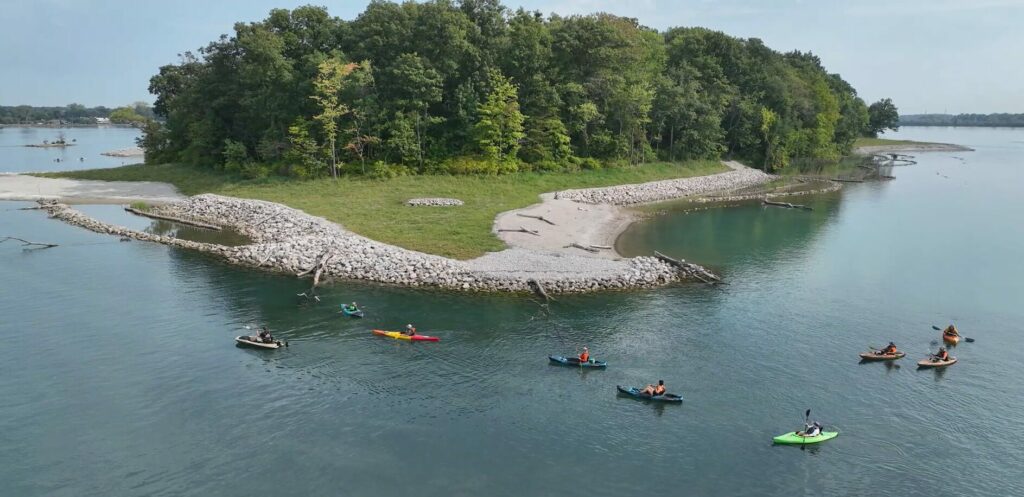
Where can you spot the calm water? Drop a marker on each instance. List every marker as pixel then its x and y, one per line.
pixel 15 157
pixel 121 376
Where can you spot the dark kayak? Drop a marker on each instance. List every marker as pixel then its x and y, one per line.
pixel 635 393
pixel 575 362
pixel 346 310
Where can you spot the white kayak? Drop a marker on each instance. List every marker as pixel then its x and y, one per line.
pixel 256 342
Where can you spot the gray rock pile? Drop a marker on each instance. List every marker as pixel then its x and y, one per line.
pixel 290 241
pixel 434 202
pixel 657 191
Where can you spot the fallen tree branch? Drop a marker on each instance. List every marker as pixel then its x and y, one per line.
pixel 27 243
pixel 531 216
pixel 602 247
pixel 522 230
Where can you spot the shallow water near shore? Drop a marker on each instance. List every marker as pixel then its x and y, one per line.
pixel 89 144
pixel 121 376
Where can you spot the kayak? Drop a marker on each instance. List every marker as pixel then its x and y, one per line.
pixel 874 356
pixel 256 342
pixel 935 363
pixel 346 310
pixel 951 339
pixel 792 438
pixel 397 335
pixel 575 362
pixel 635 393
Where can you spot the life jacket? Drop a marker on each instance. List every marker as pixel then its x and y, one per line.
pixel 944 355
pixel 890 349
pixel 585 356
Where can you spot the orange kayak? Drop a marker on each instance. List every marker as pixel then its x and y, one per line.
pixel 951 339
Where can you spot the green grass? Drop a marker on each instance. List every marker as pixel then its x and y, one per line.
pixel 376 208
pixel 140 206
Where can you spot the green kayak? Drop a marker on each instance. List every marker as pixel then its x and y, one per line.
pixel 792 438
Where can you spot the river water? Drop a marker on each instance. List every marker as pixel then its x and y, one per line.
pixel 120 375
pixel 89 144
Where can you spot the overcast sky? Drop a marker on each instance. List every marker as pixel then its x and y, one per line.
pixel 928 55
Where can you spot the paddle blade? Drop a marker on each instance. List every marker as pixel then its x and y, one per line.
pixel 936 328
pixel 807 414
pixel 969 340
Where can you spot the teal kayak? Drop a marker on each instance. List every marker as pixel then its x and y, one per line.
pixel 349 311
pixel 792 438
pixel 575 362
pixel 637 394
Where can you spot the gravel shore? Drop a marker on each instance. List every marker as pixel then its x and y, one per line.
pixel 287 240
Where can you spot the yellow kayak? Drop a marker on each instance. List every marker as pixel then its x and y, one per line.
pixel 397 335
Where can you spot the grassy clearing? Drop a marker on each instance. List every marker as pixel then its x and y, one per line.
pixel 376 208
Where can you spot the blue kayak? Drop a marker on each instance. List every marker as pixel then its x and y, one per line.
pixel 575 362
pixel 346 310
pixel 636 394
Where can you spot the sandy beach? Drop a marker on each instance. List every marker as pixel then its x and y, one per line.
pixel 23 187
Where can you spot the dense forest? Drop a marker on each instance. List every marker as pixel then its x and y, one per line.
pixel 469 86
pixel 994 120
pixel 139 112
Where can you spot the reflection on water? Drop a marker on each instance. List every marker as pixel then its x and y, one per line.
pixel 116 215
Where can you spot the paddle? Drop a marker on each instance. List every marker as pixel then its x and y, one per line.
pixel 968 340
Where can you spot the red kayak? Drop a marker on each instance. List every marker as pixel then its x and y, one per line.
pixel 397 335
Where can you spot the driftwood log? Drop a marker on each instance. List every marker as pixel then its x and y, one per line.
pixel 522 230
pixel 531 216
pixel 539 289
pixel 178 220
pixel 842 180
pixel 581 247
pixel 691 269
pixel 787 205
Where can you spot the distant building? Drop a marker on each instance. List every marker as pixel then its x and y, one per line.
pixel 102 120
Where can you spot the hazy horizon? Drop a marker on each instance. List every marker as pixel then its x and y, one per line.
pixel 928 56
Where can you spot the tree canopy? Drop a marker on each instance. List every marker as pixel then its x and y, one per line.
pixel 444 81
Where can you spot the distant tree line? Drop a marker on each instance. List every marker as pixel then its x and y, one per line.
pixel 471 87
pixel 139 113
pixel 1006 120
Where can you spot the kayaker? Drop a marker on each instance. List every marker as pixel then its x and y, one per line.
pixel 353 307
pixel 265 335
pixel 951 331
pixel 889 349
pixel 585 355
pixel 653 390
pixel 811 429
pixel 409 330
pixel 943 355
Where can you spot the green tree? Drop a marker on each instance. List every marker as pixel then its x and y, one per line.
pixel 126 115
pixel 882 115
pixel 500 127
pixel 327 86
